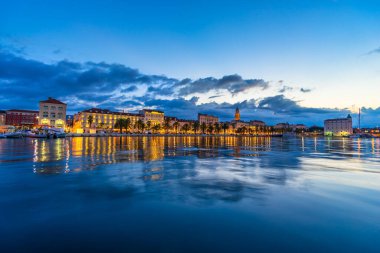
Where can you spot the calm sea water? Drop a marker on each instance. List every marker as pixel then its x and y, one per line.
pixel 189 194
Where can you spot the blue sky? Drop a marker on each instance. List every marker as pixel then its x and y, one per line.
pixel 296 61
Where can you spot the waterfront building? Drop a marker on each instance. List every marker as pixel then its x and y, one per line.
pixel 282 126
pixel 26 118
pixel 338 127
pixel 95 119
pixel 237 114
pixel 3 115
pixel 52 113
pixel 154 116
pixel 207 119
pixel 69 120
pixel 257 123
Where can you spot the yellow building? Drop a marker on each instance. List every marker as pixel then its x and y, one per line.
pixel 52 113
pixel 100 119
pixel 207 119
pixel 154 116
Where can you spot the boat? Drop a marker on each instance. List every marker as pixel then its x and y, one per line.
pixel 56 133
pixel 31 134
pixel 361 136
pixel 13 135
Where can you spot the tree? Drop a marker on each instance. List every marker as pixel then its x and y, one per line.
pixel 140 125
pixel 186 128
pixel 167 125
pixel 127 124
pixel 203 127
pixel 176 125
pixel 196 126
pixel 156 128
pixel 149 125
pixel 217 128
pixel 210 128
pixel 225 127
pixel 119 124
pixel 90 120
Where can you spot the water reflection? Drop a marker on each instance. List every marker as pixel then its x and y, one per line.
pixel 65 155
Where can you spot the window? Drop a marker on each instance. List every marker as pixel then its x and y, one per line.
pixel 60 115
pixel 46 107
pixel 52 107
pixel 52 115
pixel 45 114
pixel 60 108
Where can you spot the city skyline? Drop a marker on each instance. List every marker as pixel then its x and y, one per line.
pixel 181 58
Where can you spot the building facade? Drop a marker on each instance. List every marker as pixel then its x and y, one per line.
pixel 52 113
pixel 100 119
pixel 338 127
pixel 3 115
pixel 257 123
pixel 25 118
pixel 154 116
pixel 237 114
pixel 207 119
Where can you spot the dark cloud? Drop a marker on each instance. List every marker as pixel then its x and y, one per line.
pixel 23 82
pixel 285 89
pixel 232 83
pixel 305 90
pixel 374 51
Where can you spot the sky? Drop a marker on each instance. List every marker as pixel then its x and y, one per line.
pixel 296 61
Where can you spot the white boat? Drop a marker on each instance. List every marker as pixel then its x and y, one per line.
pixel 13 135
pixel 361 136
pixel 35 135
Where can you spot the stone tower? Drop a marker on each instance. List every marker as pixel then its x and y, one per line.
pixel 237 114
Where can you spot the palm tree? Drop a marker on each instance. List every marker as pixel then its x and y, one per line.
pixel 90 120
pixel 210 128
pixel 186 128
pixel 140 125
pixel 167 125
pixel 196 126
pixel 217 128
pixel 148 125
pixel 176 125
pixel 119 124
pixel 156 128
pixel 203 127
pixel 225 127
pixel 127 124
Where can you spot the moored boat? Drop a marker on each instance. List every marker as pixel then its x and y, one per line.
pixel 13 135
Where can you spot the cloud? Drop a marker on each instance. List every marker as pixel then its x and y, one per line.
pixel 305 90
pixel 232 83
pixel 374 51
pixel 285 89
pixel 24 82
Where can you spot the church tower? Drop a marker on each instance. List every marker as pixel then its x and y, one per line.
pixel 237 114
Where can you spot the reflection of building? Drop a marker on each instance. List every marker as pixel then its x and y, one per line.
pixel 96 118
pixel 338 127
pixel 52 113
pixel 3 115
pixel 21 117
pixel 207 119
pixel 154 116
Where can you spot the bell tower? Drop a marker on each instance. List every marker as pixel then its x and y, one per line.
pixel 237 114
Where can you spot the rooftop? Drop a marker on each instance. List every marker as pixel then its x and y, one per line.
pixel 51 100
pixel 18 110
